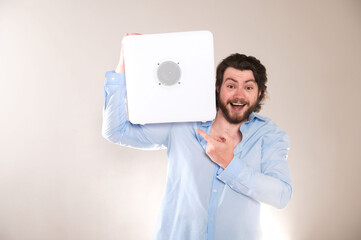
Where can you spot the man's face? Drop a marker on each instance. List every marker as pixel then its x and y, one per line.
pixel 238 95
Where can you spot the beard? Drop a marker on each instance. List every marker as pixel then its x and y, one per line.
pixel 236 118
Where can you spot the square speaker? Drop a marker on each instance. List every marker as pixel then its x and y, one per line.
pixel 170 77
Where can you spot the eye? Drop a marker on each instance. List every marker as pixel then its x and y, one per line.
pixel 230 86
pixel 249 88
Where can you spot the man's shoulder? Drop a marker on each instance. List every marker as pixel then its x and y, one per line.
pixel 268 127
pixel 191 125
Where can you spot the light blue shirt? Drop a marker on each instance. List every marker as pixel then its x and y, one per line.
pixel 203 201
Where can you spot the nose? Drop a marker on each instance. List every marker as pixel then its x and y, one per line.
pixel 239 93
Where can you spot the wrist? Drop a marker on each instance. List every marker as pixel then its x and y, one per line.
pixel 227 161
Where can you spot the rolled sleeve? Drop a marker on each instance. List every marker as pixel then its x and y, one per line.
pixel 235 175
pixel 113 78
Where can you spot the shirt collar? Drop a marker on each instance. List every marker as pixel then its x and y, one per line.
pixel 205 126
pixel 254 115
pixel 246 125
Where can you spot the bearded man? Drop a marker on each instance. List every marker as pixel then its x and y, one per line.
pixel 220 171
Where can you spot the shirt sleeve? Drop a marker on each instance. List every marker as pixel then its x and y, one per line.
pixel 272 184
pixel 117 129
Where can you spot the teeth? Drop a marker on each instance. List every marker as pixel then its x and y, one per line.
pixel 238 104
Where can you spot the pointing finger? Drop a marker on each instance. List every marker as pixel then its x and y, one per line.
pixel 209 138
pixel 205 135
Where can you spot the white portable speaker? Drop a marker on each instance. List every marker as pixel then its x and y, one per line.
pixel 170 77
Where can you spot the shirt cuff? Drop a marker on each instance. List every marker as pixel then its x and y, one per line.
pixel 231 172
pixel 113 78
pixel 235 176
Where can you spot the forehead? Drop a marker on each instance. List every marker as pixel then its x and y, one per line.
pixel 239 76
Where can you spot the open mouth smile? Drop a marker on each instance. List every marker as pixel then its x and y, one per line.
pixel 237 106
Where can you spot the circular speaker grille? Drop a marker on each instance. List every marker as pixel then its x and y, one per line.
pixel 168 73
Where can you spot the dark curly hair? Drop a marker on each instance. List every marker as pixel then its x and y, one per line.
pixel 243 62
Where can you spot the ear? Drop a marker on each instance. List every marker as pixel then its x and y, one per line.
pixel 217 89
pixel 259 93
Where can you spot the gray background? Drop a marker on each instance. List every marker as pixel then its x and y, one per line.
pixel 59 179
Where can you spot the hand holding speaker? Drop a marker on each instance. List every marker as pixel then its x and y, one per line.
pixel 120 68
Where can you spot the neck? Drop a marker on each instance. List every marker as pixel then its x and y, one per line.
pixel 221 125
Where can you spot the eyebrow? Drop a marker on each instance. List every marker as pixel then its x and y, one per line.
pixel 249 80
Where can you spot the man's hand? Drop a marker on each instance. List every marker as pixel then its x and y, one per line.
pixel 121 68
pixel 219 149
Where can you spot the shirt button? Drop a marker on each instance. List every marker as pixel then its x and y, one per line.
pixel 214 190
pixel 211 219
pixel 112 78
